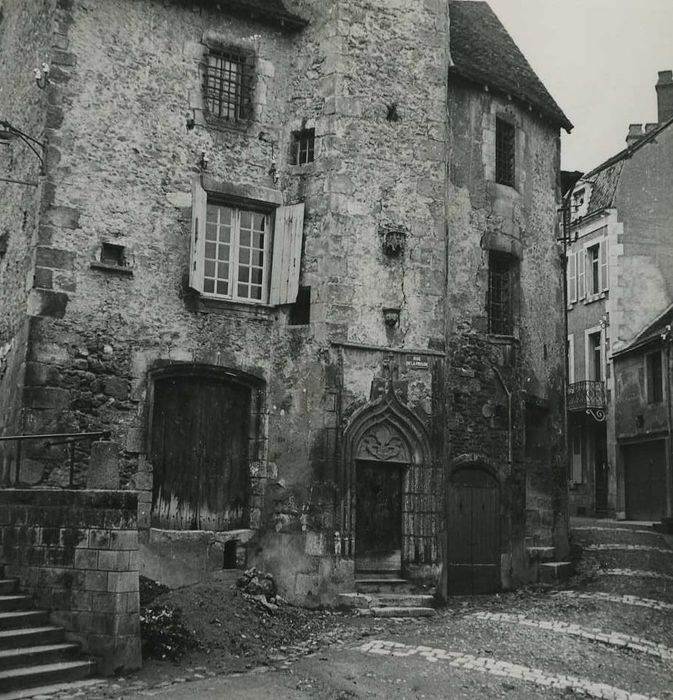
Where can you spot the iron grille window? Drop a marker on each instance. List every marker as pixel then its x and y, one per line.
pixel 501 269
pixel 655 389
pixel 226 85
pixel 504 152
pixel 303 147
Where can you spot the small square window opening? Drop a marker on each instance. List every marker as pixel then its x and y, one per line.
pixel 303 147
pixel 113 254
pixel 505 137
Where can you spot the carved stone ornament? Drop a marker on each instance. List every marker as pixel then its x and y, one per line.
pixel 381 443
pixel 393 239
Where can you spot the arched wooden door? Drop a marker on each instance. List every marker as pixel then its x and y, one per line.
pixel 473 532
pixel 199 451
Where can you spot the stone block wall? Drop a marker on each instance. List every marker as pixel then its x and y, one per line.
pixel 76 553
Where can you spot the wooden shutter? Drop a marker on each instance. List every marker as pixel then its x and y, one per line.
pixel 581 270
pixel 287 237
pixel 198 236
pixel 604 265
pixel 571 274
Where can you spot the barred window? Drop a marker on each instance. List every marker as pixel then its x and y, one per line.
pixel 501 277
pixel 504 152
pixel 227 82
pixel 303 147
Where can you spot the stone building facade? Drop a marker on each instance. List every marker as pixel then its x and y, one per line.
pixel 301 260
pixel 619 281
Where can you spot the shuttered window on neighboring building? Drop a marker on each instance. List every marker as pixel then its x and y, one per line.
pixel 243 253
pixel 571 277
pixel 653 371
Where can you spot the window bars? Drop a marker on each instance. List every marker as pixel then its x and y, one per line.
pixel 500 298
pixel 226 86
pixel 504 152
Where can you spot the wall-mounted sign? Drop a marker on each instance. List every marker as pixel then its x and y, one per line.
pixel 417 362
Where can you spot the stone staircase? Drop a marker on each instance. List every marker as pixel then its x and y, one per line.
pixel 387 597
pixel 33 652
pixel 545 568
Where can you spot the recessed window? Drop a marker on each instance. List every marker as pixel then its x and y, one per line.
pixel 655 387
pixel 300 311
pixel 227 79
pixel 505 136
pixel 113 254
pixel 501 280
pixel 303 147
pixel 594 269
pixel 595 357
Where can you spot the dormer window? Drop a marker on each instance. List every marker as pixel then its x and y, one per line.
pixel 579 203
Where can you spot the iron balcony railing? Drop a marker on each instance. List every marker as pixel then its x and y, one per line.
pixel 50 439
pixel 586 395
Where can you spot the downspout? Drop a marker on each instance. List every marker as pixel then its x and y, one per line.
pixel 510 427
pixel 666 337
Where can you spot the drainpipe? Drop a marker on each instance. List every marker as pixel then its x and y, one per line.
pixel 509 415
pixel 666 337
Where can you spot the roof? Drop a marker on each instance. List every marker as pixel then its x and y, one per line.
pixel 652 331
pixel 605 177
pixel 272 11
pixel 483 51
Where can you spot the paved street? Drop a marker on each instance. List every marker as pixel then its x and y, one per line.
pixel 608 636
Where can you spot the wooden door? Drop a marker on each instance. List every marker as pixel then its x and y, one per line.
pixel 473 533
pixel 645 480
pixel 378 512
pixel 199 450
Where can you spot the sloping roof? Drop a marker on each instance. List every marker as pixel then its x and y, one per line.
pixel 272 11
pixel 483 51
pixel 650 333
pixel 605 177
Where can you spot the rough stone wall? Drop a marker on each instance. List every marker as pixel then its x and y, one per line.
pixel 521 221
pixel 25 30
pixel 76 553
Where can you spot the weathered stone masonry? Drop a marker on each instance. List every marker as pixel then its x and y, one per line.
pixel 395 137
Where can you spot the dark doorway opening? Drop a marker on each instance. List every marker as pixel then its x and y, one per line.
pixel 230 548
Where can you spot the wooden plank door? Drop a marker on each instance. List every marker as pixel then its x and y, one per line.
pixel 645 480
pixel 378 512
pixel 199 450
pixel 473 533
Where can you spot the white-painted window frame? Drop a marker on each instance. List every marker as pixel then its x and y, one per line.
pixel 588 359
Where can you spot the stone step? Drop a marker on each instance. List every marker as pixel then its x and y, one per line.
pixel 30 636
pixel 23 618
pixel 61 672
pixel 37 655
pixel 554 571
pixel 402 600
pixel 541 554
pixel 8 586
pixel 391 611
pixel 15 602
pixel 383 585
pixel 72 688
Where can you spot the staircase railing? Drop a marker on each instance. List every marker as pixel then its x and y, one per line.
pixel 70 439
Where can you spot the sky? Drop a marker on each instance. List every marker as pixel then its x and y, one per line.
pixel 599 59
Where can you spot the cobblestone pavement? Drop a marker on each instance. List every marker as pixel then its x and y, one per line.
pixel 608 634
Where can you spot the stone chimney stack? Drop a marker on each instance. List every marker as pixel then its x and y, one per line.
pixel 635 134
pixel 664 89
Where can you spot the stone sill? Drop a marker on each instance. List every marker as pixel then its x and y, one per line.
pixel 116 269
pixel 502 339
pixel 207 304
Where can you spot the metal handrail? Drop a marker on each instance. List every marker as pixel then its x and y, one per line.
pixel 586 394
pixel 55 439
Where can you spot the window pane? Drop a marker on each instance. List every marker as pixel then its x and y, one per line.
pixel 256 293
pixel 258 240
pixel 245 238
pixel 244 256
pixel 256 276
pixel 211 232
pixel 257 258
pixel 223 271
pixel 246 219
pixel 222 287
pixel 208 286
pixel 243 291
pixel 211 213
pixel 223 252
pixel 243 274
pixel 210 250
pixel 210 268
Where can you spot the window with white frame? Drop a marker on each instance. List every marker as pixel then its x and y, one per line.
pixel 591 270
pixel 245 253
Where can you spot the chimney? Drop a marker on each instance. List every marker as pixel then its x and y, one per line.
pixel 635 134
pixel 664 90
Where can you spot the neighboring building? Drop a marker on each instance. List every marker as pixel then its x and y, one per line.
pixel 619 274
pixel 301 260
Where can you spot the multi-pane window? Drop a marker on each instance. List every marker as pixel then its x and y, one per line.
pixel 303 147
pixel 595 357
pixel 226 85
pixel 655 387
pixel 505 137
pixel 501 271
pixel 235 256
pixel 594 269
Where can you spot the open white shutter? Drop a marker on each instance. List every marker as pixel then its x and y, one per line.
pixel 604 265
pixel 198 236
pixel 571 274
pixel 287 237
pixel 581 269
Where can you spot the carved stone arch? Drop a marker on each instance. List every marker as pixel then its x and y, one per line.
pixel 476 460
pixel 389 431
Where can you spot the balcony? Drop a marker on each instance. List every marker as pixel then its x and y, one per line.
pixel 586 396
